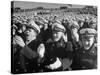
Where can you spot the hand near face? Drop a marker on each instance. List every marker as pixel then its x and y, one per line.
pixel 41 50
pixel 19 41
pixel 75 34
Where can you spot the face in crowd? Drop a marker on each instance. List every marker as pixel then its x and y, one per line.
pixel 30 34
pixel 87 41
pixel 22 29
pixel 75 34
pixel 57 35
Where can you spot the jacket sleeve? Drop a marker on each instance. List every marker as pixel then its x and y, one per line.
pixel 69 47
pixel 28 52
pixel 69 50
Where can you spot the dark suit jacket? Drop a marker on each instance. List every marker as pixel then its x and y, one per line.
pixel 85 59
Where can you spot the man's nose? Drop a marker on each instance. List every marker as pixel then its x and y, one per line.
pixel 55 34
pixel 86 42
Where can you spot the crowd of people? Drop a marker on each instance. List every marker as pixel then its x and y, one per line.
pixel 45 43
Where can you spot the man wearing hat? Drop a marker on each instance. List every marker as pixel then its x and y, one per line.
pixel 74 34
pixel 86 56
pixel 93 23
pixel 66 24
pixel 32 49
pixel 58 51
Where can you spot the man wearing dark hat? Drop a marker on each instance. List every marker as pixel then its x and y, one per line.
pixel 58 51
pixel 86 56
pixel 32 49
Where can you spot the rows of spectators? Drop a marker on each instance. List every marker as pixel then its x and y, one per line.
pixel 54 42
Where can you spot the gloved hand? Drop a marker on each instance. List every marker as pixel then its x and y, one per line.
pixel 19 41
pixel 55 65
pixel 75 35
pixel 41 50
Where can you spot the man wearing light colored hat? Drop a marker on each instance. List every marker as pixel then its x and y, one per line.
pixel 32 49
pixel 58 28
pixel 33 26
pixel 59 55
pixel 74 34
pixel 74 28
pixel 86 56
pixel 88 37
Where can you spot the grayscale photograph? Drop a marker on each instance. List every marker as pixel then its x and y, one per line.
pixel 52 37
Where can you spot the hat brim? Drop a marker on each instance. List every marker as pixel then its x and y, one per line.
pixel 31 27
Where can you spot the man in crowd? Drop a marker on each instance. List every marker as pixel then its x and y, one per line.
pixel 67 45
pixel 86 56
pixel 32 49
pixel 58 54
pixel 75 34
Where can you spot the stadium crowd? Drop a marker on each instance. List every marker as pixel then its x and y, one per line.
pixel 55 42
